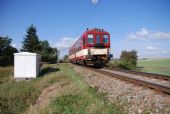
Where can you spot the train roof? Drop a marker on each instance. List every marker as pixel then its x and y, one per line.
pixel 96 30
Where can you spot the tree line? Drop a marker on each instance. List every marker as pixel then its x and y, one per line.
pixel 30 43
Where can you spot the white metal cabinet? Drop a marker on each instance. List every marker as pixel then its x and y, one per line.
pixel 26 65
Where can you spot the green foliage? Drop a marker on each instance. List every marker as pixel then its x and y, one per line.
pixel 31 41
pixel 6 51
pixel 114 63
pixel 65 59
pixel 69 104
pixel 128 59
pixel 48 53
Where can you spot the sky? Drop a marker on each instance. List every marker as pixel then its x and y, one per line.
pixel 143 25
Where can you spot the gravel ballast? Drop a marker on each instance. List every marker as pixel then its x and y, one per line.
pixel 134 99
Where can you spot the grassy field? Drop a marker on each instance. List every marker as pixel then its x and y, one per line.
pixel 158 66
pixel 76 96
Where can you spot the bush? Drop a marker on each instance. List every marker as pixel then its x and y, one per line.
pixel 6 51
pixel 128 59
pixel 114 64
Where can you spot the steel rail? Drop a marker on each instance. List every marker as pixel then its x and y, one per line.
pixel 154 86
pixel 152 75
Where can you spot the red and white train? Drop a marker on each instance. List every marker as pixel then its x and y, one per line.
pixel 93 47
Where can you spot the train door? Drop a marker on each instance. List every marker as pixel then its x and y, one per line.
pixel 97 39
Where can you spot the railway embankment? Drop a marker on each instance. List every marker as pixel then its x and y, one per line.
pixel 133 97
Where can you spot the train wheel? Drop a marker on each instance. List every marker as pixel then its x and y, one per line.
pixel 84 63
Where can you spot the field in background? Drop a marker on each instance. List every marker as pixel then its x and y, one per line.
pixel 158 66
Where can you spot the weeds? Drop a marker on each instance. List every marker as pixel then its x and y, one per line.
pixel 17 96
pixel 79 98
pixel 75 98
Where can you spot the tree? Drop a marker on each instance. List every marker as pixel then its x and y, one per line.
pixel 48 53
pixel 6 51
pixel 31 41
pixel 128 59
pixel 65 59
pixel 45 50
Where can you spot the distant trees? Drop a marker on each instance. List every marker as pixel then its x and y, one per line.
pixel 48 53
pixel 32 44
pixel 6 51
pixel 128 59
pixel 65 59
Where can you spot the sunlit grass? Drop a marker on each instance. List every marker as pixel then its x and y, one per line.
pixel 75 98
pixel 79 98
pixel 17 96
pixel 158 66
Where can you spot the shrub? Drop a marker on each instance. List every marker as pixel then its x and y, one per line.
pixel 114 64
pixel 128 59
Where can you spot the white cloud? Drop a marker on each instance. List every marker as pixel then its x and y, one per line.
pixel 95 1
pixel 65 43
pixel 165 52
pixel 151 48
pixel 14 45
pixel 145 35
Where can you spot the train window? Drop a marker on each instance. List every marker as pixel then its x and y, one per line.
pixel 105 39
pixel 90 39
pixel 97 38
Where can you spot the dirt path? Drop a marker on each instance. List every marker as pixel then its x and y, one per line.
pixel 47 95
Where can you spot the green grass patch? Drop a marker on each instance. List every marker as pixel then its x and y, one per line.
pixel 17 96
pixel 158 66
pixel 79 98
pixel 6 74
pixel 75 98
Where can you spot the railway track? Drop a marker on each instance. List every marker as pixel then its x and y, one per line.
pixel 151 75
pixel 148 80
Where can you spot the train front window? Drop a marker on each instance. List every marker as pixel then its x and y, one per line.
pixel 105 39
pixel 90 39
pixel 97 39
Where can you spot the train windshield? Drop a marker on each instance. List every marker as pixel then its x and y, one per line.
pixel 90 39
pixel 97 38
pixel 105 39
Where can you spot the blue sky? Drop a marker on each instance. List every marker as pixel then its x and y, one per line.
pixel 143 25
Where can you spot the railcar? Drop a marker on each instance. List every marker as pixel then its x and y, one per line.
pixel 92 48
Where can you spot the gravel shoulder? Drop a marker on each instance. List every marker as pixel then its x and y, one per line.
pixel 136 99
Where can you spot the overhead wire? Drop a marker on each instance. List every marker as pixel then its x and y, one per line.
pixel 88 18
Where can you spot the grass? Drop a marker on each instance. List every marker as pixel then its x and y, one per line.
pixel 76 98
pixel 79 98
pixel 158 66
pixel 17 96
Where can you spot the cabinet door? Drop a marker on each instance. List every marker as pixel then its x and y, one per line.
pixel 30 66
pixel 19 66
